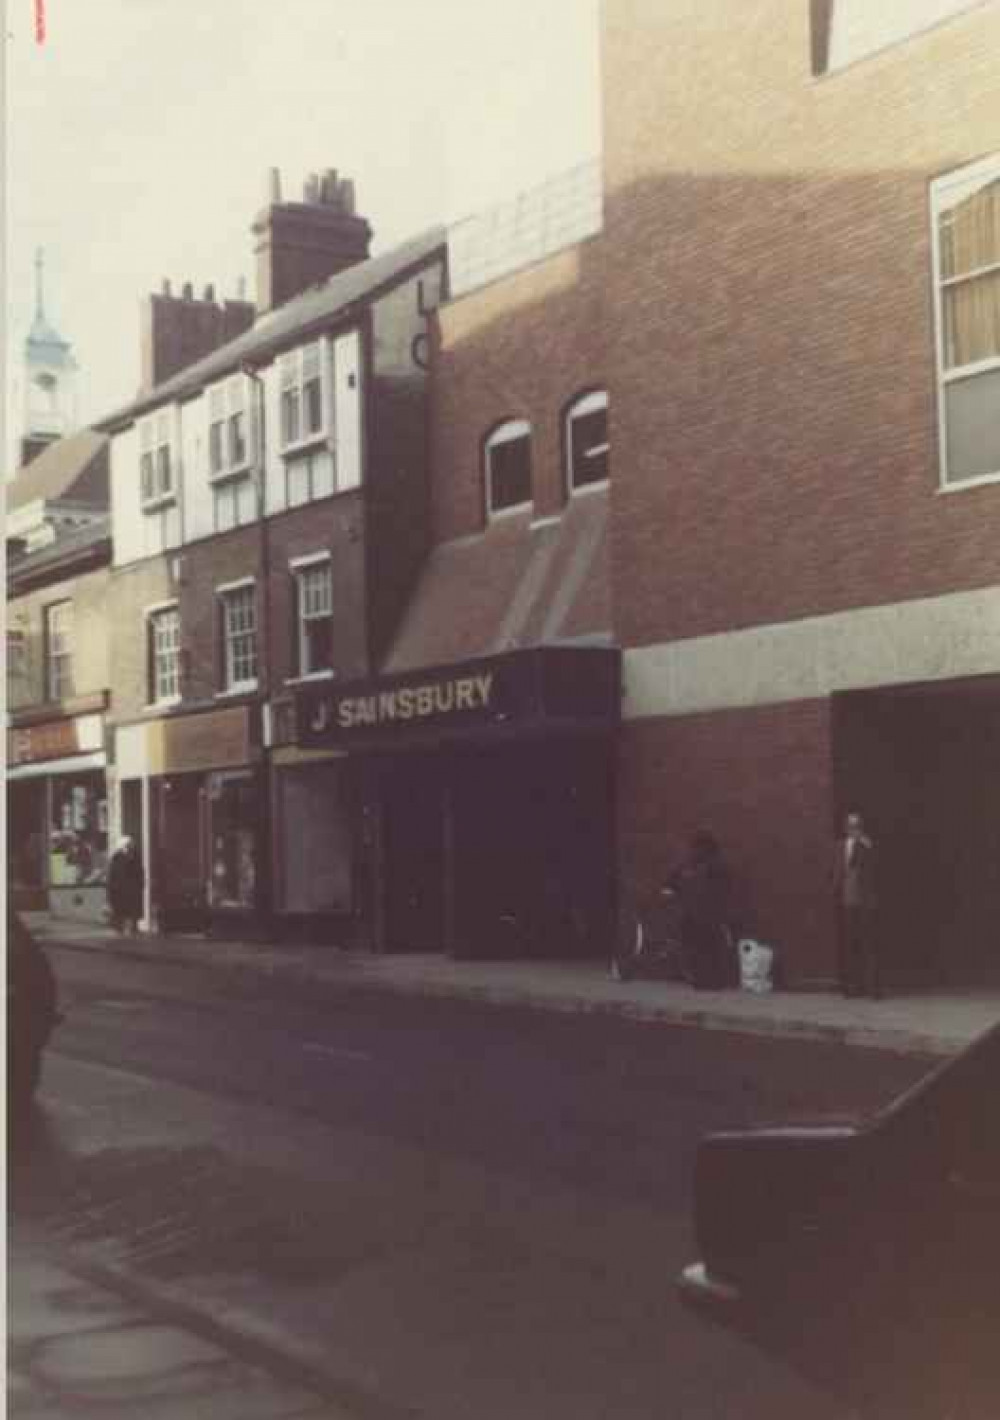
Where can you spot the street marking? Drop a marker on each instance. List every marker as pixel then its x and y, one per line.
pixel 315 1048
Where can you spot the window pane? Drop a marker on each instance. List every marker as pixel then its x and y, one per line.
pixel 290 416
pixel 317 645
pixel 298 482
pixel 322 474
pixel 215 447
pixel 225 507
pixel 239 621
pixel 165 628
pixel 163 469
pixel 588 435
pixel 510 473
pixel 970 232
pixel 146 472
pixel 237 440
pixel 972 421
pixel 313 396
pixel 972 320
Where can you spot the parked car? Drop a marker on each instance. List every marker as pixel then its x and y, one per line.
pixel 867 1254
pixel 32 1012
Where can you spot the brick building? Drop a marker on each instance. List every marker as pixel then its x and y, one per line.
pixel 802 246
pixel 270 509
pixel 58 543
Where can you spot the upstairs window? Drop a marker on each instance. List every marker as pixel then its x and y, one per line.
pixel 164 632
pixel 301 395
pixel 508 467
pixel 966 215
pixel 846 31
pixel 586 441
pixel 239 637
pixel 313 585
pixel 17 664
pixel 156 463
pixel 228 442
pixel 59 650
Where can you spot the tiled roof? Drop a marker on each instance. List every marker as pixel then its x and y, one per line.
pixel 67 550
pixel 515 586
pixel 278 328
pixel 74 468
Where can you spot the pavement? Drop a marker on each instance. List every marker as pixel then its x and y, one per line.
pixel 78 1344
pixel 934 1022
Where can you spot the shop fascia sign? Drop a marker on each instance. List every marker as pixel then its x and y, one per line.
pixel 55 739
pixel 441 697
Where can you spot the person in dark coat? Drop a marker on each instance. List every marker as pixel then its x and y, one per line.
pixel 854 877
pixel 126 884
pixel 704 885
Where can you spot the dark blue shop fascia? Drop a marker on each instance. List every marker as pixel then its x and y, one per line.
pixel 491 698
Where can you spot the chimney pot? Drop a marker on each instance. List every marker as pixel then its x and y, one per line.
pixel 347 196
pixel 209 292
pixel 187 291
pixel 274 186
pixel 241 288
pixel 329 191
pixel 166 286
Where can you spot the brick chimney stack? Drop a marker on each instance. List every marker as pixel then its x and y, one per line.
pixel 299 244
pixel 175 331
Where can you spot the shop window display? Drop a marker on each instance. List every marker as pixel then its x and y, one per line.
pixel 234 814
pixel 78 831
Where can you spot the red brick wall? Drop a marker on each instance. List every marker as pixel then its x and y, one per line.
pixel 769 315
pixel 520 348
pixel 761 780
pixel 334 525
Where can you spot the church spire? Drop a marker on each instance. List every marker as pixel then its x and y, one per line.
pixel 39 284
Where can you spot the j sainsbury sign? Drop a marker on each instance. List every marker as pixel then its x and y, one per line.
pixel 520 688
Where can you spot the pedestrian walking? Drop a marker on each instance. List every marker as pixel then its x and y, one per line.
pixel 855 878
pixel 126 884
pixel 704 885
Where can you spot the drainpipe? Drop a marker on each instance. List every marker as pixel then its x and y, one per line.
pixel 265 893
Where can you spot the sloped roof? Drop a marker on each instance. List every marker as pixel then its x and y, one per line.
pixel 74 469
pixel 280 327
pixel 516 586
pixel 70 549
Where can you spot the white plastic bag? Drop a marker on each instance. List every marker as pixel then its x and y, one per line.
pixel 756 966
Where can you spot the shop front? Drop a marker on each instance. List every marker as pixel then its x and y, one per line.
pixel 57 816
pixel 479 801
pixel 192 795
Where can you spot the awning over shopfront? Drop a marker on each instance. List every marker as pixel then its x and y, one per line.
pixel 546 688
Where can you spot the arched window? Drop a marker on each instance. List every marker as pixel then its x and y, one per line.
pixel 585 438
pixel 507 453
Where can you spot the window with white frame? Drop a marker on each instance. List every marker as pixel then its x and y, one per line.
pixel 239 637
pixel 308 476
pixel 156 463
pixel 164 632
pixel 228 438
pixel 301 395
pixel 965 209
pixel 59 650
pixel 17 662
pixel 508 466
pixel 586 441
pixel 313 585
pixel 234 502
pixel 846 31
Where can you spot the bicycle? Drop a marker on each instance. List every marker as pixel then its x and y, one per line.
pixel 650 941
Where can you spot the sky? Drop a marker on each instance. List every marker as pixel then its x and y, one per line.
pixel 140 132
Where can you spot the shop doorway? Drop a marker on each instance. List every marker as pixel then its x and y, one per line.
pixel 534 851
pixel 923 764
pixel 413 855
pixel 177 823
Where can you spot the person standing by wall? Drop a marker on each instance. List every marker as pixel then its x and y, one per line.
pixel 854 876
pixel 704 885
pixel 126 883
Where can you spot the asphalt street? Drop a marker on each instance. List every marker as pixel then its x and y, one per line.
pixel 413 1207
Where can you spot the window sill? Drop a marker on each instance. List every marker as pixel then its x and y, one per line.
pixel 305 445
pixel 496 514
pixel 231 692
pixel 168 703
pixel 311 678
pixel 598 486
pixel 164 500
pixel 983 481
pixel 230 475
